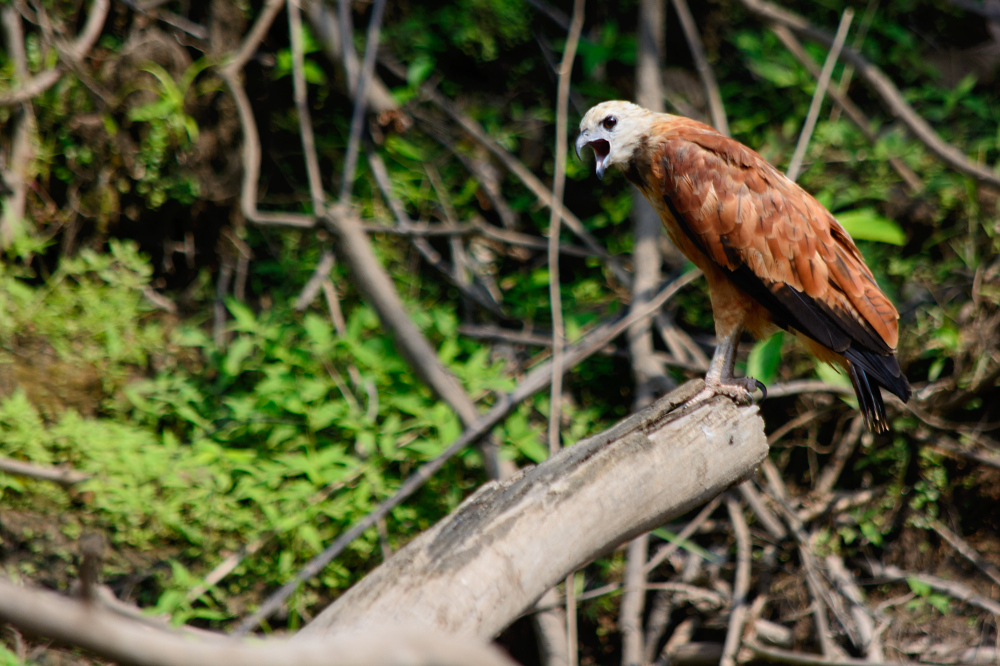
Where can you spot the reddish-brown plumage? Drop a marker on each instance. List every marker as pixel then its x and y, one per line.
pixel 771 253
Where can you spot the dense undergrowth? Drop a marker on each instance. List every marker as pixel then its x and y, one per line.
pixel 266 433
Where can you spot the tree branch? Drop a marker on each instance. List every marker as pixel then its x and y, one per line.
pixel 129 641
pixel 493 558
pixel 822 83
pixel 63 476
pixel 704 70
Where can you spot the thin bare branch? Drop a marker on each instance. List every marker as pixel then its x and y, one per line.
pixel 551 627
pixel 302 107
pixel 558 186
pixel 633 600
pixel 951 588
pixel 91 554
pixel 844 102
pixel 529 241
pixel 361 97
pixel 22 140
pixel 685 534
pixel 859 40
pixel 572 630
pixel 806 386
pixel 315 283
pixel 238 60
pixel 251 159
pixel 779 656
pixel 555 294
pixel 837 503
pixel 472 292
pixel 845 449
pixel 767 519
pixel 741 583
pixel 715 105
pixel 868 642
pixel 92 28
pixel 31 88
pixel 325 24
pixel 966 551
pixel 62 475
pixel 795 166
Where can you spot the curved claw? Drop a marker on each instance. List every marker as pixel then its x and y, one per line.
pixel 763 389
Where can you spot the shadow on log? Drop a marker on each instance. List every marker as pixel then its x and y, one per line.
pixel 491 559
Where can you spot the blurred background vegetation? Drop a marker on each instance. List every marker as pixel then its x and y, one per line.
pixel 149 335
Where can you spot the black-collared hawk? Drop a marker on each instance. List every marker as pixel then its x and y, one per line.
pixel 773 255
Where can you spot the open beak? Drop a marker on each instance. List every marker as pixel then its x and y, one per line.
pixel 601 149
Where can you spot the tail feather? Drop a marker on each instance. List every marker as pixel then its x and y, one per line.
pixel 869 400
pixel 869 371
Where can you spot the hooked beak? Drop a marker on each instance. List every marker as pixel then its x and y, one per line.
pixel 601 149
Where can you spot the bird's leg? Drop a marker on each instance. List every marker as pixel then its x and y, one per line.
pixel 720 380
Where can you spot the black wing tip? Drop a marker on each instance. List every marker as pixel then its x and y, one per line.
pixel 882 369
pixel 870 397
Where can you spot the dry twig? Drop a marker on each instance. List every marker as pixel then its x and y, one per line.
pixel 701 65
pixel 361 94
pixel 741 584
pixel 912 180
pixel 302 107
pixel 795 165
pixel 62 475
pixel 966 551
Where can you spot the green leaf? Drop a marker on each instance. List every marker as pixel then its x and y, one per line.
pixel 918 587
pixel 689 546
pixel 241 348
pixel 867 224
pixel 832 375
pixel 419 70
pixel 764 359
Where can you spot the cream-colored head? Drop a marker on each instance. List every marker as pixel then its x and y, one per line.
pixel 613 130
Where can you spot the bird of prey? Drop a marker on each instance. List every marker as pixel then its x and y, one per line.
pixel 773 255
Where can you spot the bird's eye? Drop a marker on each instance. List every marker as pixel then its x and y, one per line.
pixel 609 122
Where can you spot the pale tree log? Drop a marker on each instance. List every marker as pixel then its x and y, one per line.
pixel 134 641
pixel 491 559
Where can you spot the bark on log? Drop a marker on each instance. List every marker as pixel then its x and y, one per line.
pixel 490 560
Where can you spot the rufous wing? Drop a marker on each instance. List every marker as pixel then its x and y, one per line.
pixel 778 243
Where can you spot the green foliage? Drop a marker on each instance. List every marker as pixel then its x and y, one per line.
pixel 690 546
pixel 90 312
pixel 288 435
pixel 867 224
pixel 482 27
pixel 762 364
pixel 926 596
pixel 289 432
pixel 8 658
pixel 169 130
pixel 312 70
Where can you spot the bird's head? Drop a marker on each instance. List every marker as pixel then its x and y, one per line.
pixel 613 130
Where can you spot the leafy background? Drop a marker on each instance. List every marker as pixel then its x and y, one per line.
pixel 236 424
